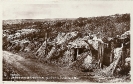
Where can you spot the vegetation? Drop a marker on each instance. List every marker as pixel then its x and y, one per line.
pixel 28 36
pixel 107 25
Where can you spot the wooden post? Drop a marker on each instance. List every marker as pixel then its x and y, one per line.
pixel 46 43
pixel 77 52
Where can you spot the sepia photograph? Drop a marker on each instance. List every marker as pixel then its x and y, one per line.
pixel 66 43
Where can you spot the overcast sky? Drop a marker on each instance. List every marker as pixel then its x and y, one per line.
pixel 65 10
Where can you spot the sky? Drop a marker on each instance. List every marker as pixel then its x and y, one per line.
pixel 64 9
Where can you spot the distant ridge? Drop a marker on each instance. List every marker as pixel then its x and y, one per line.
pixel 17 21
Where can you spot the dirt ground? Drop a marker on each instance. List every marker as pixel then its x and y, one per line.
pixel 27 69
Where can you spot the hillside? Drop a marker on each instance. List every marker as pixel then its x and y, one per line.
pixel 69 43
pixel 109 25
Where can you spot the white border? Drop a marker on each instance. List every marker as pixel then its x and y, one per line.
pixel 129 7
